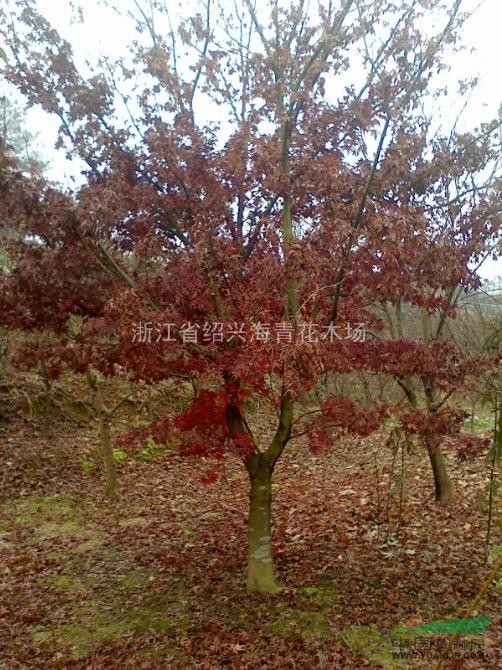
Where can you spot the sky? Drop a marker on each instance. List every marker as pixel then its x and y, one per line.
pixel 104 32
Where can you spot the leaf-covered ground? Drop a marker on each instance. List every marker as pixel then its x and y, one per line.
pixel 157 582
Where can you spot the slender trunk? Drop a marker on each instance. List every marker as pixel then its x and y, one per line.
pixel 46 402
pixel 4 385
pixel 261 577
pixel 105 440
pixel 494 462
pixel 442 484
pixel 111 489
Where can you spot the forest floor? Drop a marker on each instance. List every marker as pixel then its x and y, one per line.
pixel 158 580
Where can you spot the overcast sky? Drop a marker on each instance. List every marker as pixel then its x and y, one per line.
pixel 103 32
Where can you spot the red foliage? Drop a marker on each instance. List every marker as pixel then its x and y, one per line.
pixel 177 223
pixel 433 426
pixel 350 418
pixel 470 446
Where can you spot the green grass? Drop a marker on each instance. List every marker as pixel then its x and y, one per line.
pixel 479 424
pixel 311 617
pixel 371 643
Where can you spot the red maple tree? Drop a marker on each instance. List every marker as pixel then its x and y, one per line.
pixel 279 229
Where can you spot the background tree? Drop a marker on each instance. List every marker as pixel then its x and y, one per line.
pixel 16 140
pixel 455 174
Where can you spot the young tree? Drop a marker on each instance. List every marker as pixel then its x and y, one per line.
pixel 16 140
pixel 458 182
pixel 242 252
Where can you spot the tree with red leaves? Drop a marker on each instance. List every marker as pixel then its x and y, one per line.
pixel 461 233
pixel 245 253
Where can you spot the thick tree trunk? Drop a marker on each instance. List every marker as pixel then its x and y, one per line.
pixel 442 484
pixel 261 577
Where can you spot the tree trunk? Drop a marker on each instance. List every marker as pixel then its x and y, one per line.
pixel 111 489
pixel 261 577
pixel 105 440
pixel 442 484
pixel 46 402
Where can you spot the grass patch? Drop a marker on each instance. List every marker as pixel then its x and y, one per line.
pixel 64 582
pixel 151 451
pixel 479 424
pixel 134 522
pixel 371 643
pixel 304 623
pixel 117 598
pixel 153 615
pixel 136 579
pixel 37 510
pixel 123 606
pixel 311 618
pixel 323 595
pixel 55 518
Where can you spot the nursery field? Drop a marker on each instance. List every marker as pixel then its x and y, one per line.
pixel 156 581
pixel 250 335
